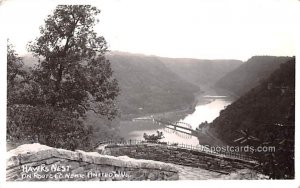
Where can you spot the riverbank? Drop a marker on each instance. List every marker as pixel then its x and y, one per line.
pixel 173 115
pixel 205 107
pixel 127 126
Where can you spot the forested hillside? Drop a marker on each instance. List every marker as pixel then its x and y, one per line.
pixel 148 86
pixel 250 74
pixel 272 102
pixel 151 84
pixel 264 116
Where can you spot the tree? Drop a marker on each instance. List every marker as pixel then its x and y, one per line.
pixel 14 64
pixel 47 125
pixel 73 73
pixel 153 138
pixel 31 122
pixel 14 73
pixel 50 101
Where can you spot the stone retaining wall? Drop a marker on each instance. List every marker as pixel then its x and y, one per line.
pixel 181 156
pixel 35 162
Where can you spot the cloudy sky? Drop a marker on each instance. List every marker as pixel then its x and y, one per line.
pixel 210 29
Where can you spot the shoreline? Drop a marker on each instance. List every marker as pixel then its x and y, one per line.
pixel 127 125
pixel 190 108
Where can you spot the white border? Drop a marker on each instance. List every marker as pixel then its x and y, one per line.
pixel 209 183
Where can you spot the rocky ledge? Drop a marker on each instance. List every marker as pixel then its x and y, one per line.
pixel 36 162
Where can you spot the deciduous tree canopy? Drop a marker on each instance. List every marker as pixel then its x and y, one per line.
pixel 49 102
pixel 73 71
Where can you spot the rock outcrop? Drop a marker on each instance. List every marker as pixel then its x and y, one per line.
pixel 35 162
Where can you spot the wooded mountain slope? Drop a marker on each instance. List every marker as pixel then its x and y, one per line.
pixel 262 109
pixel 250 74
pixel 148 86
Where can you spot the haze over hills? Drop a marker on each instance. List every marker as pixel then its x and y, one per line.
pixel 201 72
pixel 249 74
pixel 152 84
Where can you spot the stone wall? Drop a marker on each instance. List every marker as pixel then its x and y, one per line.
pixel 175 155
pixel 35 162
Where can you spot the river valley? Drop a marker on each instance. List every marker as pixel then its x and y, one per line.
pixel 207 108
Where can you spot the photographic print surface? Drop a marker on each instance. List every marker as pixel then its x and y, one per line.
pixel 150 90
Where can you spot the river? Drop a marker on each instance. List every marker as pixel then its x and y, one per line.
pixel 207 109
pixel 206 112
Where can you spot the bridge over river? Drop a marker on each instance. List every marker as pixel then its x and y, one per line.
pixel 177 126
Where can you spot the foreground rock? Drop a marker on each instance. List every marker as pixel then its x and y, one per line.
pixel 35 162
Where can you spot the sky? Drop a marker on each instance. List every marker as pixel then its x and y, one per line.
pixel 203 29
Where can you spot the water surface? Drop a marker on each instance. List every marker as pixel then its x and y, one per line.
pixel 204 111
